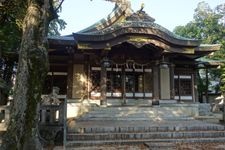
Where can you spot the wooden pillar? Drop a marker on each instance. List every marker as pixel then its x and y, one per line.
pixel 155 85
pixel 89 81
pixel 64 123
pixel 87 75
pixel 70 79
pixel 164 81
pixel 172 89
pixel 196 86
pixel 111 81
pixel 193 87
pixel 143 82
pixel 103 85
pixel 134 85
pixel 123 86
pixel 70 70
pixel 207 85
pixel 52 81
pixel 61 115
pixel 179 88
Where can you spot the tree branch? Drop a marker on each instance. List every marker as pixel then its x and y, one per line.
pixel 59 6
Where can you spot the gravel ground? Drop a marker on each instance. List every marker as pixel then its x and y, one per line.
pixel 179 146
pixel 108 147
pixel 201 146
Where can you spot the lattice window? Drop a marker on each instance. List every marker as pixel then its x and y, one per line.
pixel 183 85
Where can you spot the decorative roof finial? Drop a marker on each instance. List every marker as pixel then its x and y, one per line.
pixel 142 6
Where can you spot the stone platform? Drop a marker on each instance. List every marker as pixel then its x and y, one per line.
pixel 138 125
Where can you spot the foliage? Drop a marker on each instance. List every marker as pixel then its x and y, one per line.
pixel 55 26
pixel 207 25
pixel 31 18
pixel 10 35
pixel 11 24
pixel 222 85
pixel 12 13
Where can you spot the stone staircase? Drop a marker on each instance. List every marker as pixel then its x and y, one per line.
pixel 136 113
pixel 133 125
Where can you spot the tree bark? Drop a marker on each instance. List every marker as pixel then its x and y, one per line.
pixel 22 131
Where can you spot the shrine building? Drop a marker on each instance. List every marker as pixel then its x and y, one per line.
pixel 125 59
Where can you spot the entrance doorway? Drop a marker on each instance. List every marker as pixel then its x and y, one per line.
pixel 137 81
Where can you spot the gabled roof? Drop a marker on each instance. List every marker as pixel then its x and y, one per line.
pixel 138 23
pixel 137 28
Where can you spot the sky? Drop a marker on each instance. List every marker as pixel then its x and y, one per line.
pixel 80 14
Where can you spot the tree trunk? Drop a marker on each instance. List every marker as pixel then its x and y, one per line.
pixel 32 70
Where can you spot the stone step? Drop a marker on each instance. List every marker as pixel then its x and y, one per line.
pixel 153 128
pixel 136 113
pixel 125 113
pixel 153 113
pixel 140 115
pixel 161 145
pixel 136 118
pixel 135 109
pixel 114 117
pixel 137 141
pixel 145 135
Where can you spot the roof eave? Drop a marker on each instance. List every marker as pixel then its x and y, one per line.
pixel 62 40
pixel 135 31
pixel 208 47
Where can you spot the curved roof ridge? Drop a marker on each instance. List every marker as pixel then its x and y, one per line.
pixel 118 11
pixel 137 24
pixel 137 28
